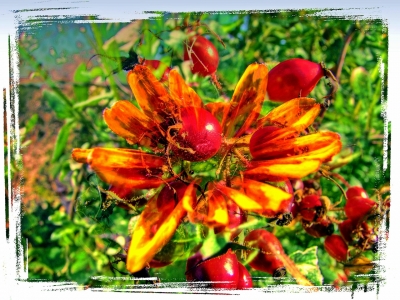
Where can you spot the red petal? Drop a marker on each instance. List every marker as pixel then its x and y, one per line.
pixel 151 95
pixel 181 92
pixel 153 230
pixel 292 112
pixel 126 120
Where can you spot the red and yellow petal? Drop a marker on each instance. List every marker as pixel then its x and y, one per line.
pixel 153 230
pixel 211 211
pixel 150 93
pixel 246 101
pixel 270 148
pixel 126 168
pixel 282 168
pixel 257 196
pixel 117 158
pixel 181 92
pixel 131 178
pixel 218 109
pixel 126 120
pixel 295 111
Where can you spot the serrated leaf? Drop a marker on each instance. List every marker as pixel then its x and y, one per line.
pixel 307 263
pixel 62 140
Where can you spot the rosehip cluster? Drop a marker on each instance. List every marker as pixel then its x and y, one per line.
pixel 356 230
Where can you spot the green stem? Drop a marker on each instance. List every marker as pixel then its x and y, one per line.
pixel 99 42
pixel 75 193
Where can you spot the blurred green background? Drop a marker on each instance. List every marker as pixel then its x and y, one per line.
pixel 62 94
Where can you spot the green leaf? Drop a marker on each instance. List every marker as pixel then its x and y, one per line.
pixel 31 123
pixel 59 218
pixel 81 79
pixel 93 101
pixel 62 140
pixel 307 262
pixel 57 104
pixel 213 244
pixel 62 232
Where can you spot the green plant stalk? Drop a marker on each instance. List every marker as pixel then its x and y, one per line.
pixel 99 43
pixel 75 193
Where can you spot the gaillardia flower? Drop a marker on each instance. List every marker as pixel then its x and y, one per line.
pixel 245 153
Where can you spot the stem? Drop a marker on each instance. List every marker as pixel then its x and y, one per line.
pixel 340 177
pixel 335 182
pixel 75 193
pixel 99 43
pixel 340 63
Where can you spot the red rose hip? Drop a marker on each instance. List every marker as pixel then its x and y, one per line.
pixel 199 137
pixel 311 208
pixel 293 78
pixel 336 247
pixel 356 191
pixel 346 229
pixel 223 271
pixel 358 207
pixel 267 259
pixel 203 55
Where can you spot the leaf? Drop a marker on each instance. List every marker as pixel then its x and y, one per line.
pixel 62 140
pixel 31 123
pixel 213 244
pixel 81 79
pixel 93 101
pixel 61 232
pixel 57 104
pixel 307 263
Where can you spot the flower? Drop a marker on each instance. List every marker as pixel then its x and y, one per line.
pixel 252 153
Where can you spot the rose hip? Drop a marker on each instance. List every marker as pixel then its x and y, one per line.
pixel 293 78
pixel 336 247
pixel 223 271
pixel 311 208
pixel 267 259
pixel 199 138
pixel 358 207
pixel 203 55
